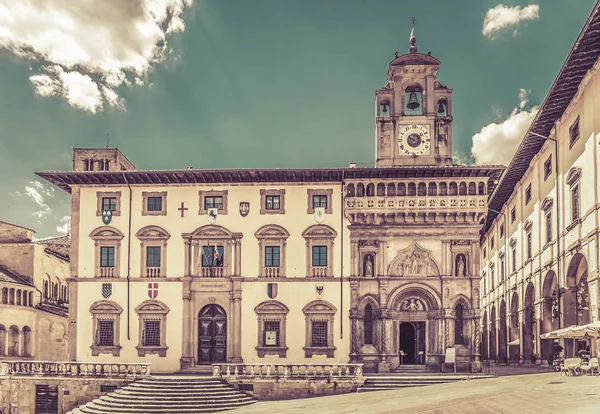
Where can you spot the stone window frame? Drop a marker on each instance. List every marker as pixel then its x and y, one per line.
pixel 153 236
pixel 319 235
pixel 548 167
pixel 271 235
pixel 263 201
pixel 573 181
pixel 271 311
pixel 546 207
pixel 106 310
pixel 148 194
pixel 202 194
pixel 528 194
pixel 104 194
pixel 319 310
pixel 212 234
pixel 326 192
pixel 107 236
pixel 574 137
pixel 152 310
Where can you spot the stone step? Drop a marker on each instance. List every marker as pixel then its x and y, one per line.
pixel 103 407
pixel 109 402
pixel 175 396
pixel 134 399
pixel 153 387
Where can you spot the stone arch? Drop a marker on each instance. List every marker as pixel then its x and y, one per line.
pixel 391 190
pixel 319 306
pixel 502 330
pixel 432 189
pixel 152 306
pixel 14 341
pixel 411 190
pixel 528 320
pixel 271 231
pixel 452 189
pixel 514 331
pixel 422 189
pixel 360 190
pixel 369 298
pixel 211 231
pixel 462 188
pixel 429 296
pixel 380 190
pixel 549 313
pixel 26 342
pixel 576 309
pixel 481 188
pixel 271 306
pixel 106 233
pixel 472 188
pixel 152 232
pixel 460 299
pixel 2 340
pixel 443 189
pixel 319 231
pixel 350 190
pixel 401 190
pixel 370 190
pixel 492 338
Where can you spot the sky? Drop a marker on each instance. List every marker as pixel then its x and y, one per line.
pixel 254 83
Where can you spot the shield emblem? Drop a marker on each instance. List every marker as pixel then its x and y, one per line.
pixel 152 290
pixel 320 291
pixel 106 290
pixel 272 290
pixel 106 216
pixel 244 208
pixel 319 214
pixel 212 214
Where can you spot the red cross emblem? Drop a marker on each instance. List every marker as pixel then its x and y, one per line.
pixel 152 290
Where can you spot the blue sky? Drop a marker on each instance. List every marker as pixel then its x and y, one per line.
pixel 254 83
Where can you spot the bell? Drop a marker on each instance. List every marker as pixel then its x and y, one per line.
pixel 384 108
pixel 413 102
pixel 441 108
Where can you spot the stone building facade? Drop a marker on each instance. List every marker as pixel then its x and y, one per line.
pixel 540 241
pixel 184 268
pixel 34 295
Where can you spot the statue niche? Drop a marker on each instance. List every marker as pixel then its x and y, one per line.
pixel 368 265
pixel 460 265
pixel 413 261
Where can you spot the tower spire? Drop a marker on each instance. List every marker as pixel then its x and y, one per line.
pixel 413 39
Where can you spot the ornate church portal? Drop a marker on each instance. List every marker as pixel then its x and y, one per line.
pixel 414 232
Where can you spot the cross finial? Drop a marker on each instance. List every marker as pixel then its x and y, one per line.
pixel 413 39
pixel 413 20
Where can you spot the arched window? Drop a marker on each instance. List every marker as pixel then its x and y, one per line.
pixel 152 315
pixel 360 190
pixel 55 291
pixel 19 296
pixel 106 317
pixel 350 192
pixel 458 325
pixel 272 316
pixel 453 189
pixel 432 189
pixel 368 329
pixel 25 297
pixel 442 107
pixel 472 189
pixel 380 190
pixel 11 296
pixel 413 100
pixel 422 189
pixel 26 341
pixel 13 341
pixel 391 190
pixel 412 189
pixel 45 289
pixel 401 189
pixel 5 295
pixel 443 189
pixel 318 316
pixel 370 190
pixel 462 189
pixel 384 108
pixel 2 340
pixel 481 188
pixel 31 299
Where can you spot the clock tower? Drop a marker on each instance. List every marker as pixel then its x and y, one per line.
pixel 413 113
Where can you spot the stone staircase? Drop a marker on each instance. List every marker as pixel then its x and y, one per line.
pixel 392 382
pixel 169 394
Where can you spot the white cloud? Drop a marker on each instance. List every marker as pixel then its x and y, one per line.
pixel 87 48
pixel 496 143
pixel 503 17
pixel 36 191
pixel 65 225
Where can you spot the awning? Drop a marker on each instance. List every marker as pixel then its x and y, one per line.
pixel 575 332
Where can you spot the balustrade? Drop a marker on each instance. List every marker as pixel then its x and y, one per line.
pixel 107 272
pixel 212 271
pixel 267 371
pixel 319 271
pixel 71 368
pixel 153 272
pixel 420 202
pixel 272 271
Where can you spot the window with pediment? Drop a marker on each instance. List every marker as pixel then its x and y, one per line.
pixel 319 316
pixel 153 240
pixel 319 250
pixel 152 315
pixel 107 245
pixel 272 241
pixel 547 209
pixel 212 251
pixel 271 316
pixel 106 317
pixel 573 181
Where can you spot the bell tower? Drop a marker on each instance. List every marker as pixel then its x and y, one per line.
pixel 413 112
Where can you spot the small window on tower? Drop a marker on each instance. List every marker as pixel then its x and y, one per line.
pixel 442 107
pixel 384 109
pixel 413 100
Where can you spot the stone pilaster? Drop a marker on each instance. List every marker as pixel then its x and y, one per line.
pixel 236 305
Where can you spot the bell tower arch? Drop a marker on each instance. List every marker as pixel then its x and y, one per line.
pixel 413 112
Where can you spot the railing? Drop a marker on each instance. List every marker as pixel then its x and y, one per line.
pixel 319 271
pixel 71 368
pixel 212 271
pixel 266 371
pixel 420 202
pixel 153 272
pixel 272 271
pixel 107 272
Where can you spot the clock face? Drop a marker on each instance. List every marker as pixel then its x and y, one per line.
pixel 414 139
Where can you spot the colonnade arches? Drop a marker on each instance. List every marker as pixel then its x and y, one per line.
pixel 514 329
pixel 575 303
pixel 528 322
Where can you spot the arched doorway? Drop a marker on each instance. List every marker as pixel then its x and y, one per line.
pixel 576 302
pixel 528 320
pixel 550 317
pixel 412 343
pixel 212 334
pixel 484 337
pixel 493 353
pixel 514 344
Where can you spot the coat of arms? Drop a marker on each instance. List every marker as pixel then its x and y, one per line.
pixel 106 290
pixel 212 214
pixel 152 290
pixel 272 290
pixel 244 208
pixel 319 214
pixel 106 216
pixel 319 291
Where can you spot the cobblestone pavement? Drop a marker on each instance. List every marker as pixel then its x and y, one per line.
pixel 535 393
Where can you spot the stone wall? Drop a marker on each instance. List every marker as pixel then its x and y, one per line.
pixel 285 389
pixel 17 394
pixel 10 233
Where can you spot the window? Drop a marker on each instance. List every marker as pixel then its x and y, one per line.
pixel 213 202
pixel 528 194
pixel 548 167
pixel 492 242
pixel 514 259
pixel 319 256
pixel 548 219
pixel 502 230
pixel 368 325
pixel 575 214
pixel 574 132
pixel 319 317
pixel 200 260
pixel 106 316
pixel 154 203
pixel 502 270
pixel 513 214
pixel 153 256
pixel 213 199
pixel 107 257
pixel 108 200
pixel 271 316
pixel 272 201
pixel 484 252
pixel 321 198
pixel 458 325
pixel 272 256
pixel 528 241
pixel 152 315
pixel 212 256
